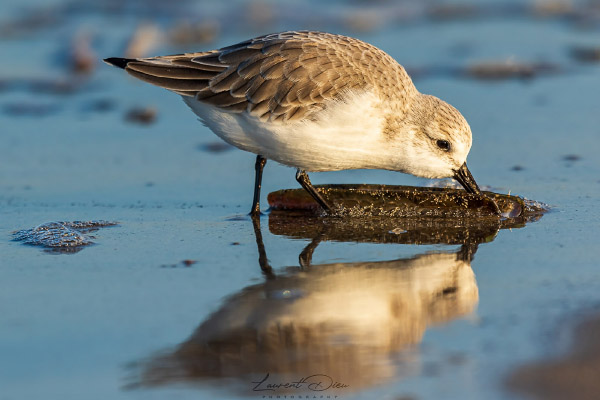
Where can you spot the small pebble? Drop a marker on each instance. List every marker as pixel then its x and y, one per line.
pixel 83 59
pixel 197 33
pixel 143 116
pixel 585 54
pixel 571 157
pixel 100 105
pixel 215 147
pixel 144 40
pixel 498 70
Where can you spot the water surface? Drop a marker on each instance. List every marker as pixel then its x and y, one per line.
pixel 127 318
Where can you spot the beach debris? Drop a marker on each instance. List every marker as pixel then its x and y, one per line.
pixel 59 235
pixel 571 157
pixel 187 33
pixel 405 201
pixel 186 263
pixel 145 38
pixel 82 58
pixel 141 115
pixel 585 54
pixel 507 69
pixel 215 147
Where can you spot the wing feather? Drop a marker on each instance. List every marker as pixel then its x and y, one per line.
pixel 286 76
pixel 224 81
pixel 222 99
pixel 173 72
pixel 193 85
pixel 251 67
pixel 191 64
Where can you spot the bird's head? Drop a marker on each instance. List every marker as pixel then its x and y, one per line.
pixel 439 141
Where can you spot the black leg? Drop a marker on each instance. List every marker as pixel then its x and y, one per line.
pixel 258 168
pixel 262 254
pixel 302 178
pixel 305 258
pixel 466 252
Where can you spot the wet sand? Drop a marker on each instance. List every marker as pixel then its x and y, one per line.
pixel 573 375
pixel 134 314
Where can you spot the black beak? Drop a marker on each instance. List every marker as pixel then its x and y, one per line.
pixel 464 177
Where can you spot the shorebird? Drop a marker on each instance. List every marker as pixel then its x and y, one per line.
pixel 317 102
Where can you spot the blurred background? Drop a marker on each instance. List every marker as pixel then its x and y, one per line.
pixel 132 316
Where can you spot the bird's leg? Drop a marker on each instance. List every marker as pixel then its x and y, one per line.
pixel 302 178
pixel 305 258
pixel 258 168
pixel 262 254
pixel 467 252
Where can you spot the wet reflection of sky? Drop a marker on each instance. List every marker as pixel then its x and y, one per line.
pixel 70 325
pixel 349 320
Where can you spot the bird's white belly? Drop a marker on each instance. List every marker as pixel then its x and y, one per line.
pixel 346 135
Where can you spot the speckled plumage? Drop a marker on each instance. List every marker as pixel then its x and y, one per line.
pixel 315 101
pixel 280 77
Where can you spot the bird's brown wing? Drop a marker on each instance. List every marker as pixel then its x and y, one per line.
pixel 278 77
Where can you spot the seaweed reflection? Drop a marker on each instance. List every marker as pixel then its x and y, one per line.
pixel 354 322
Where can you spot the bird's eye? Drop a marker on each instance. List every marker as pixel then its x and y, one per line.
pixel 443 144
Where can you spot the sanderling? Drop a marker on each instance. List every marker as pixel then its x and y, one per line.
pixel 318 102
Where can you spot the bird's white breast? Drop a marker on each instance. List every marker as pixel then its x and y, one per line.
pixel 345 135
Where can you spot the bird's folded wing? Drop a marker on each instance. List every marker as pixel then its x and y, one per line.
pixel 278 77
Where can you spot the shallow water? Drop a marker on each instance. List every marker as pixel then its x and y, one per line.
pixel 127 318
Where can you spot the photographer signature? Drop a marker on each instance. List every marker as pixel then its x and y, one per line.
pixel 316 383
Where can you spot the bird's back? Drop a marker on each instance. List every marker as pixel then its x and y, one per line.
pixel 280 77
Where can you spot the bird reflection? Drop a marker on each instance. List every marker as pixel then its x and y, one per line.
pixel 349 321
